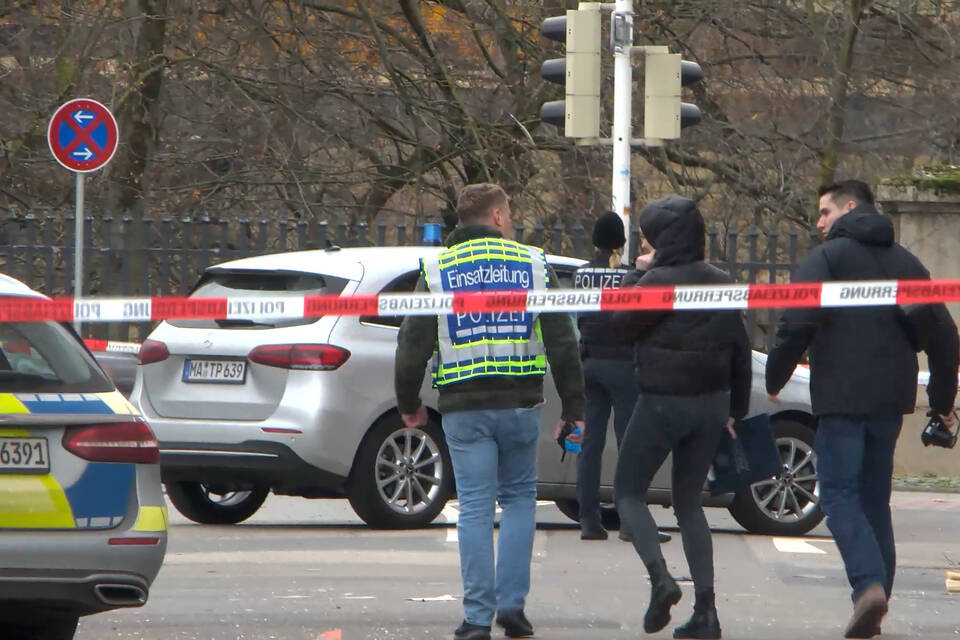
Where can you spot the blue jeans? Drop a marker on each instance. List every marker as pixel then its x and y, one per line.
pixel 855 465
pixel 494 456
pixel 609 384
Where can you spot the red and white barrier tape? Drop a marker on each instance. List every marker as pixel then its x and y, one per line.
pixel 112 346
pixel 754 296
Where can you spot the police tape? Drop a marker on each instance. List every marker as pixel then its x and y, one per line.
pixel 112 346
pixel 678 298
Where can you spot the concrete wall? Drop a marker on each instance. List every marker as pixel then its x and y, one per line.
pixel 928 224
pixel 912 458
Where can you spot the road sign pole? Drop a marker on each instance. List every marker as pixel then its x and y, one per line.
pixel 78 248
pixel 82 136
pixel 621 37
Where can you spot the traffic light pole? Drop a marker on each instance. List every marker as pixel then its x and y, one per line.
pixel 621 37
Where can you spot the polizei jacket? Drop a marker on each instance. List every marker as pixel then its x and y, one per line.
pixel 420 336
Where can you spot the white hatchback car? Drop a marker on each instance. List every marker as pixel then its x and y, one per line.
pixel 306 407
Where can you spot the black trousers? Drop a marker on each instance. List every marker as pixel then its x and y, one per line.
pixel 690 428
pixel 609 384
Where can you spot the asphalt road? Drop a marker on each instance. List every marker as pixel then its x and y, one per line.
pixel 310 570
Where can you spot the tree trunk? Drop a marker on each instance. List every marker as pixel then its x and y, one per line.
pixel 137 129
pixel 839 88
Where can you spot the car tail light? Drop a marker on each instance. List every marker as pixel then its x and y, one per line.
pixel 152 351
pixel 113 442
pixel 313 357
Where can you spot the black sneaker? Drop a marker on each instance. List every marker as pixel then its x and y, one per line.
pixel 515 624
pixel 467 631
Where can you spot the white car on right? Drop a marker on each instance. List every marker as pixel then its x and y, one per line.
pixel 306 407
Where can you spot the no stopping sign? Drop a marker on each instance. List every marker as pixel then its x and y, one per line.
pixel 82 135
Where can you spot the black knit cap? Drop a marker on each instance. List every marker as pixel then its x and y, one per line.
pixel 608 232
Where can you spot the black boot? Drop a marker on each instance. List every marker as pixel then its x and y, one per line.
pixel 591 529
pixel 703 624
pixel 664 593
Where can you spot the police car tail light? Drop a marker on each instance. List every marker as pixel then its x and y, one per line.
pixel 312 357
pixel 115 442
pixel 152 351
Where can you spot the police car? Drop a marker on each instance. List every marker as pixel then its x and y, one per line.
pixel 82 516
pixel 306 407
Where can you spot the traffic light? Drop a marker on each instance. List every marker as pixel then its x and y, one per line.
pixel 664 115
pixel 579 112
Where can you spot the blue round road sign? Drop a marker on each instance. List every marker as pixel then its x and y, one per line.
pixel 82 135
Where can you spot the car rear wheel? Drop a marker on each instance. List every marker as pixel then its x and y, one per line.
pixel 790 505
pixel 211 504
pixel 401 478
pixel 609 517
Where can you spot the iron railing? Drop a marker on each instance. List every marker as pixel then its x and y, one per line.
pixel 126 256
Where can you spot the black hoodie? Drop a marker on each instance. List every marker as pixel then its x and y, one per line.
pixel 861 361
pixel 686 353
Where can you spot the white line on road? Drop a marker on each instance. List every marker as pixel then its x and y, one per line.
pixel 309 558
pixel 796 545
pixel 452 514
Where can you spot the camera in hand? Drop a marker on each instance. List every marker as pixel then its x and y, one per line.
pixel 937 434
pixel 568 429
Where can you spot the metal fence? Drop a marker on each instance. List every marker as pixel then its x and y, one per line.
pixel 125 256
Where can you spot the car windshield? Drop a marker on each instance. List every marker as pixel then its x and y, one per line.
pixel 232 283
pixel 44 357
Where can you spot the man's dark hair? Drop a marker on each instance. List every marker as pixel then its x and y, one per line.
pixel 845 190
pixel 477 200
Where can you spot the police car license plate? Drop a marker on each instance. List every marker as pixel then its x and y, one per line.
pixel 215 371
pixel 24 455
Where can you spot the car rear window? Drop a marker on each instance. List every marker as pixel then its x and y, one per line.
pixel 224 283
pixel 45 357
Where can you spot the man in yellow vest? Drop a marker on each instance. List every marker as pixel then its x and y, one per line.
pixel 489 370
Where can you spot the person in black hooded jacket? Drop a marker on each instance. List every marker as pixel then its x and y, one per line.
pixel 863 378
pixel 693 371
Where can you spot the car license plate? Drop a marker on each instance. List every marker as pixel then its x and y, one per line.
pixel 24 455
pixel 215 371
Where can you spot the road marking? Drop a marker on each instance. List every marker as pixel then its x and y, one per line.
pixel 796 545
pixel 452 514
pixel 308 558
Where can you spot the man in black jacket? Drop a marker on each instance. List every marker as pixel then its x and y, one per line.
pixel 863 379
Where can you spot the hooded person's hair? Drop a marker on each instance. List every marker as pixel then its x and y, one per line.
pixel 608 234
pixel 675 228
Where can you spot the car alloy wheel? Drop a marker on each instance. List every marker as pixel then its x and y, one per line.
pixel 409 471
pixel 796 493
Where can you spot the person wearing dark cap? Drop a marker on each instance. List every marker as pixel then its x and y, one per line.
pixel 693 372
pixel 607 370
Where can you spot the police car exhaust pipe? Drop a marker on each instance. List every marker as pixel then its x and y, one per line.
pixel 121 595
